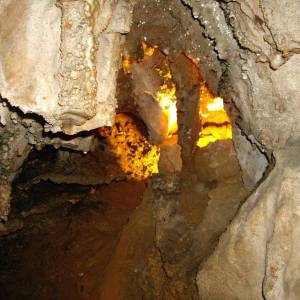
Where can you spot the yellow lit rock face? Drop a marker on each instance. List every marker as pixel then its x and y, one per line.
pixel 136 156
pixel 148 49
pixel 166 94
pixel 214 119
pixel 215 122
pixel 166 97
pixel 126 64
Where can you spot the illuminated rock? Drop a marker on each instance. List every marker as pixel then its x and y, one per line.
pixel 216 162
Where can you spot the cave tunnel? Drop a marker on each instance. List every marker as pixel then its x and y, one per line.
pixel 150 160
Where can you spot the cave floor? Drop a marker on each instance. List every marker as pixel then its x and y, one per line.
pixel 67 243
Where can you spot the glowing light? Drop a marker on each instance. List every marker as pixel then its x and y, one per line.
pixel 214 119
pixel 148 50
pixel 166 94
pixel 216 105
pixel 126 63
pixel 166 97
pixel 136 156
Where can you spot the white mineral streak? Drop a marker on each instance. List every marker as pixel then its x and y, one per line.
pixel 59 59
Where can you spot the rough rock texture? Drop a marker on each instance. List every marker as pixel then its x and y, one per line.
pixel 258 256
pixel 145 83
pixel 251 160
pixel 170 158
pixel 58 67
pixel 259 43
pixel 249 53
pixel 169 25
pixel 62 166
pixel 60 59
pixel 89 241
pixel 211 163
pixel 189 217
pixel 14 149
pixel 188 80
pixel 264 92
pixel 19 135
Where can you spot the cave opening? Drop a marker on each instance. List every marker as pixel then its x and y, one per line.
pixel 130 210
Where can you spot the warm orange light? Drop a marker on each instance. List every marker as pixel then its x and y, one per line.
pixel 166 97
pixel 148 50
pixel 136 156
pixel 166 94
pixel 214 119
pixel 126 63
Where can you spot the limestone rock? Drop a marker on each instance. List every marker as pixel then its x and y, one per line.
pixel 249 79
pixel 252 161
pixel 146 83
pixel 258 256
pixel 59 59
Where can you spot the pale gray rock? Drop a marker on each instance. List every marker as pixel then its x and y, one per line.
pixel 257 257
pixel 252 160
pixel 59 59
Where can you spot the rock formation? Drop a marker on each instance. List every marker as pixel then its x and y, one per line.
pixel 213 235
pixel 259 43
pixel 68 55
pixel 58 68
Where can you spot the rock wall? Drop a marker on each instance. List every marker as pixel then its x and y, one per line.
pixel 58 67
pixel 57 73
pixel 258 256
pixel 258 43
pixel 60 59
pixel 261 54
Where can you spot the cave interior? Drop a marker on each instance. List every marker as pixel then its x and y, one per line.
pixel 150 204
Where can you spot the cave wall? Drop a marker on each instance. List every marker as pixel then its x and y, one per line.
pixel 58 67
pixel 60 60
pixel 190 208
pixel 255 46
pixel 170 25
pixel 248 52
pixel 259 43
